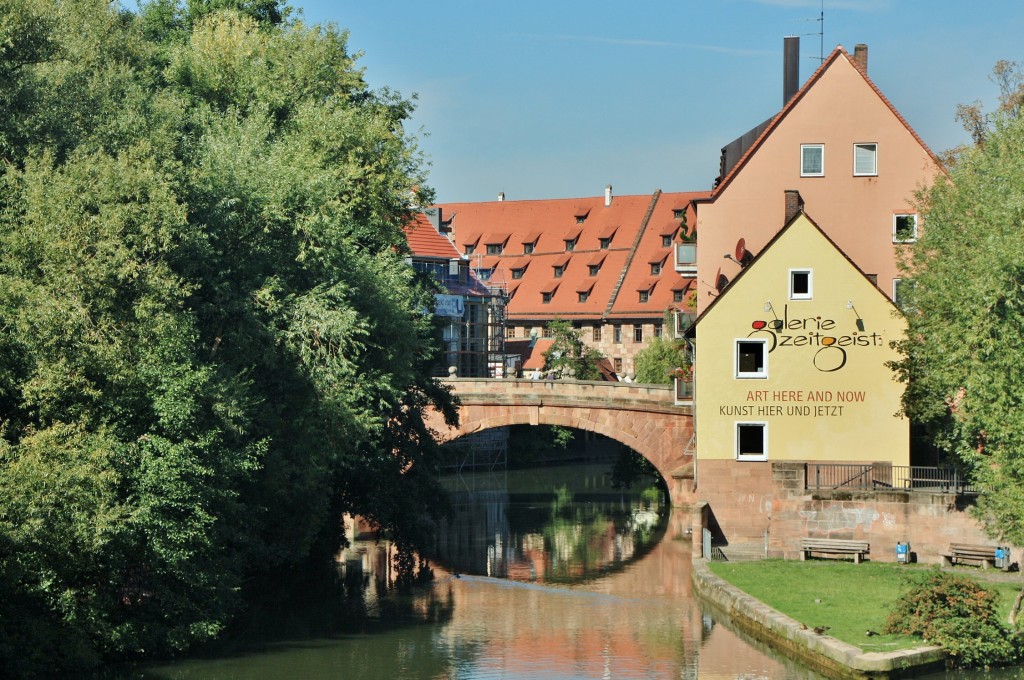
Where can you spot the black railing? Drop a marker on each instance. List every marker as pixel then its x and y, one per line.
pixel 882 476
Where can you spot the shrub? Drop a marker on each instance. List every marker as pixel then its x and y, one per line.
pixel 959 615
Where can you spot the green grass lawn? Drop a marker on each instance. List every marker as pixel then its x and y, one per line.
pixel 849 598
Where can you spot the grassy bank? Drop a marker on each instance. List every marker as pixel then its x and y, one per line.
pixel 851 599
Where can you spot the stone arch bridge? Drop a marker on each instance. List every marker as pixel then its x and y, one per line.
pixel 643 417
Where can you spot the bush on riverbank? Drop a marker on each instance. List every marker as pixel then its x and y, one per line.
pixel 958 614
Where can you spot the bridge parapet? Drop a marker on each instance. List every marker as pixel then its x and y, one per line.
pixel 569 393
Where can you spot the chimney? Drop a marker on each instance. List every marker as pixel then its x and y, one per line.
pixel 860 56
pixel 608 195
pixel 790 67
pixel 794 204
pixel 501 195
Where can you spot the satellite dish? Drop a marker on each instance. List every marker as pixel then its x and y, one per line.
pixel 743 256
pixel 721 280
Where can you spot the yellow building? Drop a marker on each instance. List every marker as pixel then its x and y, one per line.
pixel 791 365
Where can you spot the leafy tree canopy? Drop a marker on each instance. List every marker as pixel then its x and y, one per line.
pixel 962 354
pixel 663 357
pixel 211 347
pixel 568 356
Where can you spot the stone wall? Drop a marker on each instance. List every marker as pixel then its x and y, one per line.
pixel 763 508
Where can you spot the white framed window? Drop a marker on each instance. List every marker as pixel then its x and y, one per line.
pixel 904 228
pixel 812 160
pixel 752 441
pixel 752 358
pixel 801 284
pixel 900 288
pixel 865 159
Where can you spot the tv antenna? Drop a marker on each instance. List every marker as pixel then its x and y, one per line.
pixel 820 33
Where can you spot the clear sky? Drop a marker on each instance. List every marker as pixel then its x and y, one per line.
pixel 558 98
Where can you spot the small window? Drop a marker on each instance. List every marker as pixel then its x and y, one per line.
pixel 484 274
pixel 655 268
pixel 644 295
pixel 559 271
pixel 570 245
pixel 617 364
pixel 751 441
pixel 616 333
pixel 666 241
pixel 638 333
pixel 812 160
pixel 528 248
pixel 580 219
pixel 583 296
pixel 677 296
pixel 606 243
pixel 752 358
pixel 546 299
pixel 904 228
pixel 595 269
pixel 547 333
pixel 470 249
pixel 679 213
pixel 517 273
pixel 865 160
pixel 597 334
pixel 900 288
pixel 494 249
pixel 800 284
pixel 657 330
pixel 510 332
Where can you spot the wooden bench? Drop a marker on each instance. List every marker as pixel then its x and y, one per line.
pixel 982 554
pixel 834 546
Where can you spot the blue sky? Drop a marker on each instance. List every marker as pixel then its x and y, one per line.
pixel 557 98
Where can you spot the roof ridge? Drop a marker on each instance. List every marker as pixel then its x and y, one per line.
pixel 632 252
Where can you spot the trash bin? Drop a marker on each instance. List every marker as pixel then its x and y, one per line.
pixel 1002 557
pixel 903 552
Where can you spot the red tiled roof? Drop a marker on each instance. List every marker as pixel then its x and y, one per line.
pixel 495 239
pixel 659 258
pixel 425 241
pixel 670 228
pixel 585 286
pixel 548 223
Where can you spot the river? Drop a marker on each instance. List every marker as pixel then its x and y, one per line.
pixel 545 574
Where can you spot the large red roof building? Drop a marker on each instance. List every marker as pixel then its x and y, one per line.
pixel 607 264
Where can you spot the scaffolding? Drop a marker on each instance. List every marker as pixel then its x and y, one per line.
pixel 475 343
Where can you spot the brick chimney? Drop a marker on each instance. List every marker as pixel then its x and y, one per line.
pixel 794 204
pixel 860 56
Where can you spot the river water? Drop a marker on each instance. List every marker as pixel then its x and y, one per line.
pixel 537 578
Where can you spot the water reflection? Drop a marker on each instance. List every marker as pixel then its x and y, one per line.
pixel 590 587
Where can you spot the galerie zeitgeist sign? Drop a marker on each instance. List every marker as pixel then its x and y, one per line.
pixel 450 305
pixel 814 333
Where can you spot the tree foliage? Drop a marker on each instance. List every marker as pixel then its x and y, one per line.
pixel 961 355
pixel 665 354
pixel 568 355
pixel 211 346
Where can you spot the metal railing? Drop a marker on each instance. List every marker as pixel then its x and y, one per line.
pixel 882 477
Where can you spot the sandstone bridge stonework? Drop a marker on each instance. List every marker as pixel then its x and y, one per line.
pixel 643 417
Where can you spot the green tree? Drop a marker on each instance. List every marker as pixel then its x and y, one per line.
pixel 656 363
pixel 961 355
pixel 212 346
pixel 569 354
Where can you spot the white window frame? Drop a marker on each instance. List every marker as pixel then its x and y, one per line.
pixel 764 441
pixel 759 374
pixel 874 159
pixel 809 295
pixel 895 221
pixel 803 169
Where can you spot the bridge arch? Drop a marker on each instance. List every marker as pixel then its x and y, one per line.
pixel 643 417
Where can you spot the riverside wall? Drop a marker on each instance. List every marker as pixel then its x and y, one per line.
pixel 763 510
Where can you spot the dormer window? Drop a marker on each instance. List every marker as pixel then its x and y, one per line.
pixel 570 245
pixel 546 297
pixel 595 269
pixel 517 273
pixel 655 268
pixel 494 249
pixel 580 219
pixel 470 248
pixel 604 239
pixel 679 213
pixel 527 248
pixel 666 241
pixel 645 295
pixel 605 243
pixel 581 215
pixel 559 271
pixel 530 243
